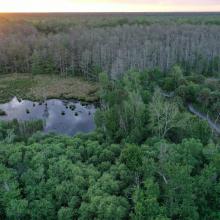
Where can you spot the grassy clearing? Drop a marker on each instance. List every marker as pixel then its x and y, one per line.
pixel 41 87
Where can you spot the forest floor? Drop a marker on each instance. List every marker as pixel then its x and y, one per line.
pixel 40 87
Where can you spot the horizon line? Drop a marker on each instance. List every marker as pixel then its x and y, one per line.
pixel 94 12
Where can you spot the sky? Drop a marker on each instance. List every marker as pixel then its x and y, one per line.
pixel 109 5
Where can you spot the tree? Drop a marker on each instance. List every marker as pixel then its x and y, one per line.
pixel 146 205
pixel 36 67
pixel 164 115
pixel 17 209
pixel 132 157
pixel 42 63
pixel 199 129
pixel 65 213
pixel 189 92
pixel 105 207
pixel 204 96
pixel 123 111
pixel 174 79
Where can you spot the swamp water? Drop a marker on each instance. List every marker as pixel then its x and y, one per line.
pixel 59 116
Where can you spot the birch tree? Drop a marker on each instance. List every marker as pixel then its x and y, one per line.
pixel 164 115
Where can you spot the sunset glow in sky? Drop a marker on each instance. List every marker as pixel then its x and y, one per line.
pixel 108 5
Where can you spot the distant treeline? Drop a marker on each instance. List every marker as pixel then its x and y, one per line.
pixel 86 44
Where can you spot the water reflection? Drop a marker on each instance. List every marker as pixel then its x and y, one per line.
pixel 65 117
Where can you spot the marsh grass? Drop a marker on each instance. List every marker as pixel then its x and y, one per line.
pixel 40 87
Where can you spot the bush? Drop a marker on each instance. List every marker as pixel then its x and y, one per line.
pixel 2 112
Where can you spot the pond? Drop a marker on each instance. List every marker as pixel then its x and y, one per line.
pixel 59 116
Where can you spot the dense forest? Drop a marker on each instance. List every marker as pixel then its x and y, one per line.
pixel 155 151
pixel 148 159
pixel 87 44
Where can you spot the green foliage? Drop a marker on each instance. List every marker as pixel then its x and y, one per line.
pixel 57 177
pixel 19 131
pixel 65 214
pixel 42 64
pixel 148 159
pixel 164 115
pixel 131 156
pixel 193 127
pixel 174 79
pixel 189 92
pixel 17 209
pixel 123 111
pixel 199 129
pixel 146 200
